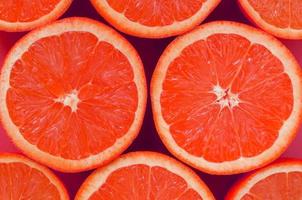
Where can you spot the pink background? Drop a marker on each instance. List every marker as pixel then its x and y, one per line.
pixel 150 51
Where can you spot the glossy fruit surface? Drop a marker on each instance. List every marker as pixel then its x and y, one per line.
pixel 144 176
pixel 279 181
pixel 21 178
pixel 282 18
pixel 24 15
pixel 73 94
pixel 155 18
pixel 226 98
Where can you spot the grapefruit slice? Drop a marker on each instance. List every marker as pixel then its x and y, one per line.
pixel 282 18
pixel 22 178
pixel 281 180
pixel 73 94
pixel 226 98
pixel 24 15
pixel 144 176
pixel 155 18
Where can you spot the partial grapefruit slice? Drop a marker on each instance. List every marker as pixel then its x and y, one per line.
pixel 155 18
pixel 279 181
pixel 24 15
pixel 73 94
pixel 144 176
pixel 21 178
pixel 226 98
pixel 282 18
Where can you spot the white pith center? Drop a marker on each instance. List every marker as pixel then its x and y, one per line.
pixel 70 100
pixel 225 98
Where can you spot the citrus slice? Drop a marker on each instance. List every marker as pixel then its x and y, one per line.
pixel 73 94
pixel 279 181
pixel 226 98
pixel 144 175
pixel 155 18
pixel 21 178
pixel 24 15
pixel 282 18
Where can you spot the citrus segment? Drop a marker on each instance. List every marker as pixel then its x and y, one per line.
pixel 296 15
pixel 162 12
pixel 265 190
pixel 73 94
pixel 259 63
pixel 25 15
pixel 282 180
pixel 21 11
pixel 236 96
pixel 281 18
pixel 22 179
pixel 143 175
pixel 113 97
pixel 274 12
pixel 163 184
pixel 155 19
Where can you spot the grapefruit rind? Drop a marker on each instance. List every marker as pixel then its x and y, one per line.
pixel 103 33
pixel 59 10
pixel 15 158
pixel 98 178
pixel 253 15
pixel 123 24
pixel 287 131
pixel 243 186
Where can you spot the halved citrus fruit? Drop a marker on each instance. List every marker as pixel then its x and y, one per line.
pixel 73 94
pixel 282 18
pixel 279 181
pixel 21 178
pixel 24 15
pixel 226 98
pixel 144 176
pixel 155 18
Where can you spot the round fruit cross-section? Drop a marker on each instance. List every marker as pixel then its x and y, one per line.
pixel 21 178
pixel 282 18
pixel 279 181
pixel 155 18
pixel 73 94
pixel 24 15
pixel 226 98
pixel 144 176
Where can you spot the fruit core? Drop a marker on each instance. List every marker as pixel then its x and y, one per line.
pixel 71 99
pixel 225 98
